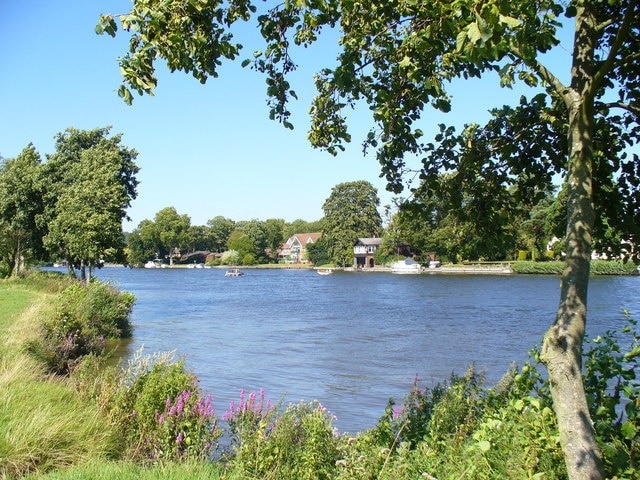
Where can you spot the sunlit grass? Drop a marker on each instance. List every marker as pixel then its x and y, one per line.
pixel 43 423
pixel 107 470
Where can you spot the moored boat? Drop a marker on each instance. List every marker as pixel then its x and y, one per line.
pixel 324 271
pixel 407 266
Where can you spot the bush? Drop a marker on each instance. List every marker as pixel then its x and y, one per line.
pixel 598 267
pixel 160 411
pixel 299 443
pixel 613 393
pixel 230 257
pixel 84 318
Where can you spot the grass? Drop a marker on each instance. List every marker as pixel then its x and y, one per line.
pixel 43 423
pixel 109 470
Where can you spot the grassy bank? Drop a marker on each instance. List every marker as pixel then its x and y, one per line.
pixel 43 423
pixel 149 420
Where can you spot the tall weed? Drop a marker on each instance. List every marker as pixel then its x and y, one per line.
pixel 297 443
pixel 158 407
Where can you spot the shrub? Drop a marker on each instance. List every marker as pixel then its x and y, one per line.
pixel 613 393
pixel 84 318
pixel 230 257
pixel 159 409
pixel 249 259
pixel 299 443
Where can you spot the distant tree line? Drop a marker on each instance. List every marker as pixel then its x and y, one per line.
pixel 171 237
pixel 70 207
pixel 460 220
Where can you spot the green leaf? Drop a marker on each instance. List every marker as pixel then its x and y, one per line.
pixel 460 40
pixel 473 33
pixel 405 62
pixel 510 21
pixel 245 63
pixel 629 430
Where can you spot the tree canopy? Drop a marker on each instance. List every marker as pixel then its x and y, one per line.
pixel 70 207
pixel 90 183
pixel 350 211
pixel 398 57
pixel 21 206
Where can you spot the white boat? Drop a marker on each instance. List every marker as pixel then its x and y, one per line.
pixel 234 272
pixel 408 266
pixel 157 263
pixel 324 271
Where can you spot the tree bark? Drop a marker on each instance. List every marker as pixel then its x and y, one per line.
pixel 562 348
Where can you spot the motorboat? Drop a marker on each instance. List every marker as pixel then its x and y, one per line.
pixel 234 272
pixel 324 271
pixel 408 266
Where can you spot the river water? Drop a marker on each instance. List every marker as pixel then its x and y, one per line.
pixel 348 340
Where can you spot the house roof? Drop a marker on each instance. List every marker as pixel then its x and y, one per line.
pixel 303 238
pixel 369 241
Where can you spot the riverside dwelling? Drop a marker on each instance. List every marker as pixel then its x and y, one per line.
pixel 294 250
pixel 363 251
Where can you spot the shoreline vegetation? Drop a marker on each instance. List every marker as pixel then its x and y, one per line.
pixel 67 417
pixel 598 267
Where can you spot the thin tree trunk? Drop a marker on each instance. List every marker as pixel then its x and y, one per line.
pixel 562 349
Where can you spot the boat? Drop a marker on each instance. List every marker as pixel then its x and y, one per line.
pixel 324 271
pixel 408 266
pixel 157 263
pixel 234 272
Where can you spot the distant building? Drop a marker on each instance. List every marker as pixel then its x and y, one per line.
pixel 294 250
pixel 364 250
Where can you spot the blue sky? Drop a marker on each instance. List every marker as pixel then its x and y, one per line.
pixel 206 150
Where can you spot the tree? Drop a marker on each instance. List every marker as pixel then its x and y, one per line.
pixel 257 232
pixel 350 212
pixel 398 56
pixel 88 220
pixel 243 244
pixel 275 236
pixel 90 182
pixel 220 228
pixel 20 207
pixel 171 231
pixel 317 252
pixel 302 226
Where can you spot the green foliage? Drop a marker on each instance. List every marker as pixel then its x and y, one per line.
pixel 318 253
pixel 249 259
pixel 230 257
pixel 84 317
pixel 160 412
pixel 242 243
pixel 613 391
pixel 350 212
pixel 613 267
pixel 598 267
pixel 122 470
pixel 298 443
pixel 90 182
pixel 21 204
pixel 44 425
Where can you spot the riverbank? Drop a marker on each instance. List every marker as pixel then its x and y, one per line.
pixel 55 427
pixel 598 267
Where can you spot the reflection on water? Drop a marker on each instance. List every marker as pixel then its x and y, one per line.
pixel 349 340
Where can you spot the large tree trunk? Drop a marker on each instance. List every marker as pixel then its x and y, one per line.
pixel 562 349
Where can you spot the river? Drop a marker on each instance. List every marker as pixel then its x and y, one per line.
pixel 348 340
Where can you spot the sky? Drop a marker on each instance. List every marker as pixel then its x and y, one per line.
pixel 206 150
